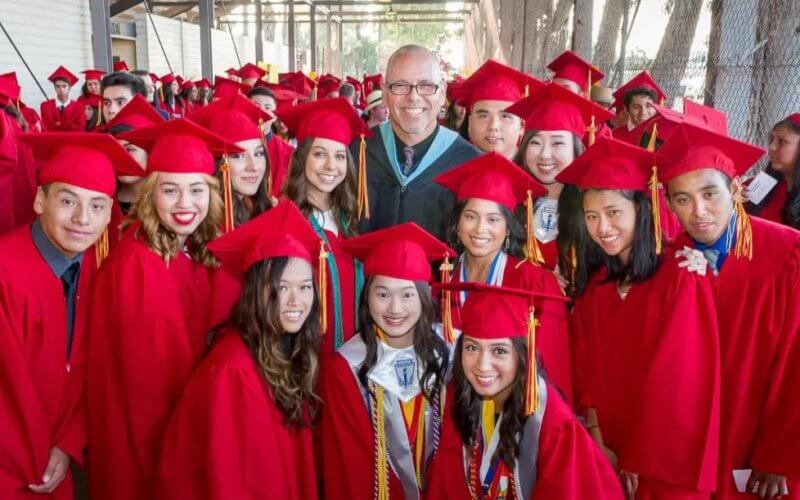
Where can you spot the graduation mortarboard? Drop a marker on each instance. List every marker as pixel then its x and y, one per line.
pixel 180 146
pixel 138 113
pixel 494 81
pixel 121 66
pixel 62 73
pixel 642 80
pixel 225 87
pixel 794 118
pixel 493 313
pixel 556 108
pixel 282 231
pixel 326 85
pixel 713 118
pixel 572 67
pixel 168 79
pixel 203 84
pixel 250 70
pixel 234 118
pixel 372 82
pixel 88 161
pixel 284 97
pixel 494 177
pixel 9 89
pixel 187 85
pixel 664 123
pixel 93 74
pixel 691 148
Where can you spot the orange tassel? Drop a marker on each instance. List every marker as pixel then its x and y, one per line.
pixel 592 132
pixel 532 252
pixel 227 194
pixel 527 90
pixel 744 231
pixel 573 254
pixel 363 194
pixel 101 248
pixel 447 315
pixel 323 286
pixel 532 386
pixel 655 201
pixel 314 94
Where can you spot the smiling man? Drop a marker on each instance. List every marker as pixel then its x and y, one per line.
pixel 487 93
pixel 756 267
pixel 408 151
pixel 45 278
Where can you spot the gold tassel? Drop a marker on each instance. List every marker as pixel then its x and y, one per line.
pixel 573 254
pixel 382 449
pixel 323 285
pixel 532 386
pixel 447 315
pixel 655 201
pixel 744 231
pixel 227 194
pixel 101 248
pixel 527 89
pixel 363 194
pixel 532 252
pixel 314 94
pixel 592 132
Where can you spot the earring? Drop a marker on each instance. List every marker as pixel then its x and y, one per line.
pixel 506 243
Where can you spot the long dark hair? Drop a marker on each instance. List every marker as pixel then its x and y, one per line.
pixel 247 207
pixel 790 212
pixel 431 350
pixel 15 115
pixel 467 403
pixel 516 230
pixel 288 363
pixel 643 262
pixel 572 234
pixel 343 197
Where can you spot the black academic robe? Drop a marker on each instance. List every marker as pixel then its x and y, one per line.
pixel 421 201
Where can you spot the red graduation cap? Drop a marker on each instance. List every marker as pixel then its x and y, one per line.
pixel 556 108
pixel 298 82
pixel 282 231
pixel 333 119
pixel 570 66
pixel 355 82
pixel 203 84
pixel 372 82
pixel 88 161
pixel 187 85
pixel 494 177
pixel 794 118
pixel 93 74
pixel 121 65
pixel 692 148
pixel 168 79
pixel 235 118
pixel 610 164
pixel 180 146
pixel 496 82
pixel 664 123
pixel 62 73
pixel 225 87
pixel 491 177
pixel 327 84
pixel 642 80
pixel 250 70
pixel 452 90
pixel 154 78
pixel 283 97
pixel 9 89
pixel 404 252
pixel 714 119
pixel 493 313
pixel 232 72
pixel 138 113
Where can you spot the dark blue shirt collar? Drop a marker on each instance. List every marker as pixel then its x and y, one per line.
pixel 724 243
pixel 57 261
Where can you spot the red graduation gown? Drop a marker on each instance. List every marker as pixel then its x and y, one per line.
pixel 31 118
pixel 280 155
pixel 72 119
pixel 41 389
pixel 772 211
pixel 649 365
pixel 227 439
pixel 347 292
pixel 570 465
pixel 552 336
pixel 759 321
pixel 146 333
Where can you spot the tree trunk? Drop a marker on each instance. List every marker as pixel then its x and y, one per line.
pixel 582 28
pixel 674 51
pixel 556 34
pixel 712 59
pixel 606 47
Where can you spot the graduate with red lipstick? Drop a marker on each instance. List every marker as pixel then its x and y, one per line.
pixel 150 308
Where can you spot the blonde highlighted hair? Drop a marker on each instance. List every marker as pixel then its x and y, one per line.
pixel 161 239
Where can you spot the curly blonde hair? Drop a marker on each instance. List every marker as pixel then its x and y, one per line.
pixel 163 241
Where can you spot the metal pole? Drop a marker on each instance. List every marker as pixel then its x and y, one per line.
pixel 155 30
pixel 24 61
pixel 313 12
pixel 292 46
pixel 101 34
pixel 259 33
pixel 206 8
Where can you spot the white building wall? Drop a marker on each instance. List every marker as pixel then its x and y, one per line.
pixel 48 33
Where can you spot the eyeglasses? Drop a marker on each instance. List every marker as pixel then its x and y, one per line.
pixel 405 88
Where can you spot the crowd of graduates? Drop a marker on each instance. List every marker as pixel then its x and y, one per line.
pixel 405 286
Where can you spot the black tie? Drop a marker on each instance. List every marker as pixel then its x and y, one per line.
pixel 68 279
pixel 408 160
